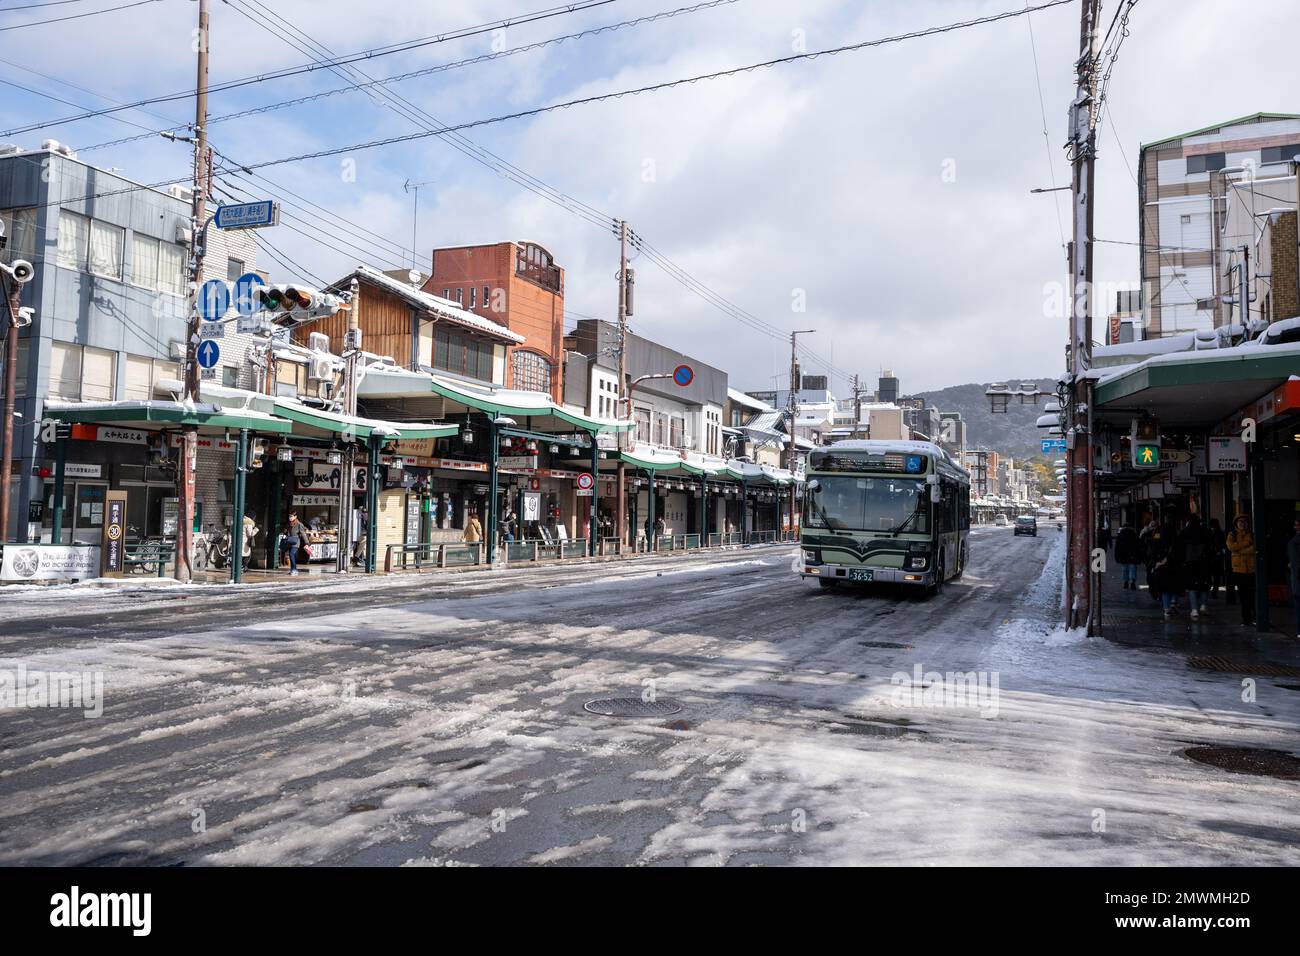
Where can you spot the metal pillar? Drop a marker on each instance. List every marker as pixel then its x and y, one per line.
pixel 704 510
pixel 494 453
pixel 594 526
pixel 372 505
pixel 744 512
pixel 652 543
pixel 60 455
pixel 237 519
pixel 273 529
pixel 1257 528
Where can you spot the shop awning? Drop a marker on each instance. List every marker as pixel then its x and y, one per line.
pixel 534 410
pixel 307 419
pixel 1195 389
pixel 208 417
pixel 760 474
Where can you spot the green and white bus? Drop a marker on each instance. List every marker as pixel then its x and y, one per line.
pixel 893 512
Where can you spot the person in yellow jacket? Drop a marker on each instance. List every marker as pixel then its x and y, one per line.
pixel 473 529
pixel 1241 545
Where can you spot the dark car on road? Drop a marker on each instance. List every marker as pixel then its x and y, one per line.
pixel 1027 524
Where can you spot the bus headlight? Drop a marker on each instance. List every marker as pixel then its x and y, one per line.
pixel 917 562
pixel 810 557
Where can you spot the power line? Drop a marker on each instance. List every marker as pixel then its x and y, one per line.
pixel 1047 142
pixel 33 6
pixel 74 16
pixel 463 33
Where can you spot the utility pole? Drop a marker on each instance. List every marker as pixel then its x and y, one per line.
pixel 620 516
pixel 16 276
pixel 351 360
pixel 198 212
pixel 857 405
pixel 1079 596
pixel 792 409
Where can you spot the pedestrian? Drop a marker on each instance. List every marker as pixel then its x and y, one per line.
pixel 1128 553
pixel 295 537
pixel 661 527
pixel 1195 544
pixel 250 532
pixel 1241 545
pixel 1148 541
pixel 1218 551
pixel 1293 567
pixel 473 530
pixel 363 532
pixel 508 522
pixel 1103 536
pixel 1166 578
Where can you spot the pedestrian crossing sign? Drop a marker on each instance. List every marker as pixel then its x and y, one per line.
pixel 1146 454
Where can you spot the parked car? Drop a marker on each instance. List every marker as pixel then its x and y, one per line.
pixel 1001 521
pixel 1027 524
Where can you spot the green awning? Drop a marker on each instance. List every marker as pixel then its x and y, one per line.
pixel 513 405
pixel 356 427
pixel 143 414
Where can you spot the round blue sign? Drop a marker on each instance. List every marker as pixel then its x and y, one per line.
pixel 245 301
pixel 208 353
pixel 214 300
pixel 683 375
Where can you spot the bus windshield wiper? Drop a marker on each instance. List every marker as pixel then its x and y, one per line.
pixel 920 507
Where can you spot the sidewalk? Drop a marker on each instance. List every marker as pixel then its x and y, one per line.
pixel 1217 641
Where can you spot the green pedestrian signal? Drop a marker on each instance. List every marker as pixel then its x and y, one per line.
pixel 1146 455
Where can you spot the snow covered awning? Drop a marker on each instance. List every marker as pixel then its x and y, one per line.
pixel 534 410
pixel 436 306
pixel 207 417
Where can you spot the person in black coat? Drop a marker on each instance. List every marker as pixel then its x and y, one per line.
pixel 1128 554
pixel 1197 551
pixel 1166 567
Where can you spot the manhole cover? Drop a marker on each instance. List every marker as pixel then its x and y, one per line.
pixel 890 644
pixel 1227 665
pixel 632 707
pixel 1251 760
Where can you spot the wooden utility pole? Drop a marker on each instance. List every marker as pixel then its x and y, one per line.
pixel 792 410
pixel 857 405
pixel 198 213
pixel 1079 598
pixel 620 516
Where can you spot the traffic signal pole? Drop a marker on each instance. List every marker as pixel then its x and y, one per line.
pixel 189 435
pixel 620 516
pixel 1079 603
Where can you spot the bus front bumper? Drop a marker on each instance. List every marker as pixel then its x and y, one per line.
pixel 836 572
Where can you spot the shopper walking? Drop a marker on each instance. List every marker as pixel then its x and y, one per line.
pixel 295 537
pixel 1166 567
pixel 1241 546
pixel 473 529
pixel 1128 554
pixel 1194 544
pixel 1218 558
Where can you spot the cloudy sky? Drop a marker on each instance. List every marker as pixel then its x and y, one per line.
pixel 886 189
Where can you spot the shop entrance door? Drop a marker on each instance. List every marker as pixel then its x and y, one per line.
pixel 88 511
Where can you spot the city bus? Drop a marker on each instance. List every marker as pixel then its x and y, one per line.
pixel 881 511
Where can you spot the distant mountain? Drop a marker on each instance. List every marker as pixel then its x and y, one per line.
pixel 1014 433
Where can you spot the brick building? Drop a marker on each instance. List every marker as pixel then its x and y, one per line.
pixel 518 285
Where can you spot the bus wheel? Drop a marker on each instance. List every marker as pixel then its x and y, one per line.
pixel 827 582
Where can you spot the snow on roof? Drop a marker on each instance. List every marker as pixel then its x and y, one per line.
pixel 749 401
pixel 443 308
pixel 882 446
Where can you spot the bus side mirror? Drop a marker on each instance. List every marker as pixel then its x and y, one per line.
pixel 936 493
pixel 814 486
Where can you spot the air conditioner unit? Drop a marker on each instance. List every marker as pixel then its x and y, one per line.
pixel 318 342
pixel 184 234
pixel 320 368
pixel 177 351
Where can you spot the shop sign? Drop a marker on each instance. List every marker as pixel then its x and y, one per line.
pixel 218 444
pixel 77 470
pixel 315 501
pixel 518 462
pixel 1226 454
pixel 46 562
pixel 560 473
pixel 419 447
pixel 532 509
pixel 582 492
pixel 314 476
pixel 455 464
pixel 123 436
pixel 114 534
pixel 1198 460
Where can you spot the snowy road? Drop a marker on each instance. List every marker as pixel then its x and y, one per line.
pixel 442 721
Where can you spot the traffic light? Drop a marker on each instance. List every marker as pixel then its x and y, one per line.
pixel 1144 443
pixel 297 301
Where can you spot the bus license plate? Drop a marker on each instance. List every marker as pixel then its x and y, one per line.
pixel 859 574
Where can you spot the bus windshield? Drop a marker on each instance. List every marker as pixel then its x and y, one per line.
pixel 852 503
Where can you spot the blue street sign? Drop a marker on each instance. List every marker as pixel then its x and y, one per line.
pixel 247 215
pixel 683 375
pixel 208 353
pixel 214 300
pixel 1052 444
pixel 245 303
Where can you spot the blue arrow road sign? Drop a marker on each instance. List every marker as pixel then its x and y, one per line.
pixel 1053 444
pixel 245 303
pixel 247 215
pixel 208 353
pixel 214 300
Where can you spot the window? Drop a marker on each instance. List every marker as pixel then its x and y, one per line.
pixel 1206 163
pixel 234 269
pixel 462 355
pixel 144 261
pixel 143 375
pixel 446 294
pixel 460 296
pixel 473 297
pixel 642 416
pixel 171 268
pixel 98 368
pixel 106 243
pixel 486 296
pixel 20 229
pixel 532 371
pixel 677 432
pixel 1279 154
pixel 74 237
